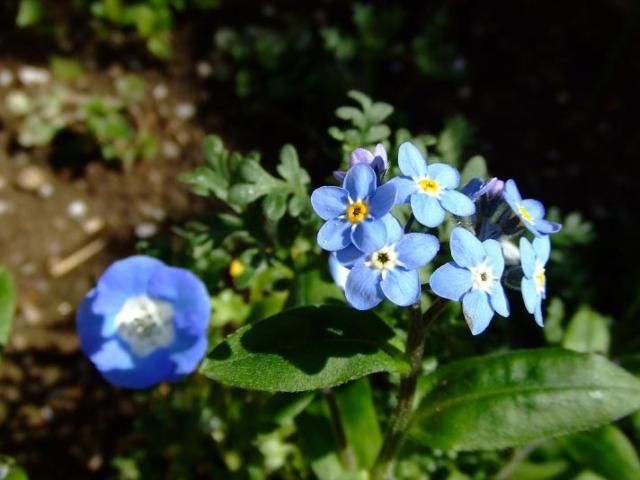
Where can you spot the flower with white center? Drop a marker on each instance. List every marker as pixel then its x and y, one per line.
pixel 533 259
pixel 430 189
pixel 354 212
pixel 390 271
pixel 530 212
pixel 473 278
pixel 144 322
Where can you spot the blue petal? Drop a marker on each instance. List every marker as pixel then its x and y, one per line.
pixel 444 174
pixel 363 287
pixel 338 271
pixel 410 161
pixel 527 257
pixel 339 175
pixel 360 181
pixel 546 227
pixel 394 229
pixel 90 325
pixel 542 247
pixel 457 203
pixel 495 257
pixel 349 256
pixel 112 355
pixel 382 200
pixel 415 250
pixel 369 235
pixel 450 281
pixel 427 210
pixel 123 279
pixel 529 293
pixel 360 155
pixel 186 359
pixel 511 193
pixel 329 202
pixel 473 188
pixel 534 207
pixel 146 372
pixel 381 153
pixel 477 311
pixel 405 186
pixel 187 294
pixel 537 314
pixel 334 235
pixel 499 300
pixel 466 249
pixel 402 287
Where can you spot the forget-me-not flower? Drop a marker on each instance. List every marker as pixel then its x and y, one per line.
pixel 533 258
pixel 390 271
pixel 473 277
pixel 338 271
pixel 354 212
pixel 144 322
pixel 529 211
pixel 430 189
pixel 376 160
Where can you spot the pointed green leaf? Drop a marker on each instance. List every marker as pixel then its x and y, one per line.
pixel 304 349
pixel 587 332
pixel 505 400
pixel 275 205
pixel 7 306
pixel 476 167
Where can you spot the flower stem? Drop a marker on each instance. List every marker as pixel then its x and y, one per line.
pixel 401 416
pixel 346 454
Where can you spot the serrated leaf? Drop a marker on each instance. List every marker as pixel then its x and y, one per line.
pixel 275 205
pixel 349 113
pixel 606 451
pixel 297 204
pixel 587 332
pixel 304 349
pixel 510 399
pixel 289 167
pixel 245 193
pixel 361 98
pixel 377 133
pixel 7 306
pixel 476 167
pixel 378 112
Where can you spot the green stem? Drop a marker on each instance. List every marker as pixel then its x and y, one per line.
pixel 401 416
pixel 346 454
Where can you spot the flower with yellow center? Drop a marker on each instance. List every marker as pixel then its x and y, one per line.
pixel 533 258
pixel 357 212
pixel 430 187
pixel 524 214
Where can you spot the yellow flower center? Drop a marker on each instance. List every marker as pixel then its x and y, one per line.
pixel 236 268
pixel 357 212
pixel 524 213
pixel 429 186
pixel 539 278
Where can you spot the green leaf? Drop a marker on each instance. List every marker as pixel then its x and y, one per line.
pixel 587 332
pixel 314 287
pixel 360 421
pixel 540 471
pixel 476 167
pixel 289 167
pixel 304 349
pixel 275 205
pixel 606 451
pixel 377 133
pixel 379 111
pixel 506 400
pixel 7 306
pixel 30 12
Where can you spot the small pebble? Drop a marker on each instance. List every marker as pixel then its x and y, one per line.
pixel 170 149
pixel 160 91
pixel 46 190
pixel 77 209
pixel 153 212
pixel 93 225
pixel 6 79
pixel 204 69
pixel 31 313
pixel 95 462
pixel 185 111
pixel 64 308
pixel 146 230
pixel 33 76
pixel 31 178
pixel 5 207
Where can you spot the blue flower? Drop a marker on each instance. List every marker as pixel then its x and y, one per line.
pixel 354 212
pixel 429 188
pixel 473 277
pixel 144 322
pixel 529 211
pixel 338 271
pixel 533 258
pixel 389 271
pixel 376 160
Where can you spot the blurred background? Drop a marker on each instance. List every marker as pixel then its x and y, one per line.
pixel 104 102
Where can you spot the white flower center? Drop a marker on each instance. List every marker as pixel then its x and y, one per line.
pixel 539 278
pixel 482 277
pixel 384 260
pixel 145 324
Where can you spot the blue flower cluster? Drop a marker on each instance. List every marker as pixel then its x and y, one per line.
pixel 374 257
pixel 144 322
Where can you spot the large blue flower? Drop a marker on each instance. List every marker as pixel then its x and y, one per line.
pixel 473 277
pixel 354 212
pixel 144 322
pixel 430 189
pixel 529 211
pixel 533 258
pixel 390 271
